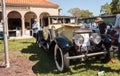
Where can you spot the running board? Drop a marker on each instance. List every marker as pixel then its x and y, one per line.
pixel 87 55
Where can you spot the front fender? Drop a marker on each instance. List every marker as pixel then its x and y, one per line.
pixel 63 43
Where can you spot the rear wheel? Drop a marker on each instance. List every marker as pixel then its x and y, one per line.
pixel 61 62
pixel 40 38
pixel 39 44
pixel 42 43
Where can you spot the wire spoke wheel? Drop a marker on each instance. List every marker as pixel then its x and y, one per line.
pixel 60 59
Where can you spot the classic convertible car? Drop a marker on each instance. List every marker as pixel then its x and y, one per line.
pixel 67 41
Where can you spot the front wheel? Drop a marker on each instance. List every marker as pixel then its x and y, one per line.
pixel 62 63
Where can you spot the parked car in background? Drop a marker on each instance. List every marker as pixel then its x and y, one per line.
pixel 1 31
pixel 1 36
pixel 67 41
pixel 113 35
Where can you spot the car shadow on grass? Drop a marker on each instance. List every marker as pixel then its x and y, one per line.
pixel 95 65
pixel 44 63
pixel 43 60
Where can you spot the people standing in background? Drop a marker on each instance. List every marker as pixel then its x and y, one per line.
pixel 36 27
pixel 117 28
pixel 103 31
pixel 101 25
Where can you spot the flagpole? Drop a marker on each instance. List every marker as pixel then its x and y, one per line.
pixel 7 64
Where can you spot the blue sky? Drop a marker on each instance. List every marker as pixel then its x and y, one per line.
pixel 91 5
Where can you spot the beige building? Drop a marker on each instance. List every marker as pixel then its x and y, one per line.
pixel 20 15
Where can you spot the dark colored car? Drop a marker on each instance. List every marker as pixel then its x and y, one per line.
pixel 67 41
pixel 114 35
pixel 1 36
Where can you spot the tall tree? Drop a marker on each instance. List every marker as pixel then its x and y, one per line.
pixel 106 9
pixel 80 13
pixel 115 6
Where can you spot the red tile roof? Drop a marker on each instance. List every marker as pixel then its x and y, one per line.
pixel 33 2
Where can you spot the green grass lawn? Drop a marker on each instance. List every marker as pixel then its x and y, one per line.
pixel 44 64
pixel 16 45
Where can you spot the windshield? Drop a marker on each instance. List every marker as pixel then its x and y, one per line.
pixel 59 20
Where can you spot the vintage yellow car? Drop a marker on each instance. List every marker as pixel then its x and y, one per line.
pixel 67 41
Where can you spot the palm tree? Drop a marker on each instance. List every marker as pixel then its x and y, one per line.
pixel 115 6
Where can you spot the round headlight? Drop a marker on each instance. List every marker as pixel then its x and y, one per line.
pixel 79 39
pixel 96 38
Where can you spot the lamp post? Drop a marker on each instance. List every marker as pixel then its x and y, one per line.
pixel 59 11
pixel 7 64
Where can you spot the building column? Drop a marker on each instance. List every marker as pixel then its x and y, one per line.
pixel 41 22
pixel 23 26
pixel 38 18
